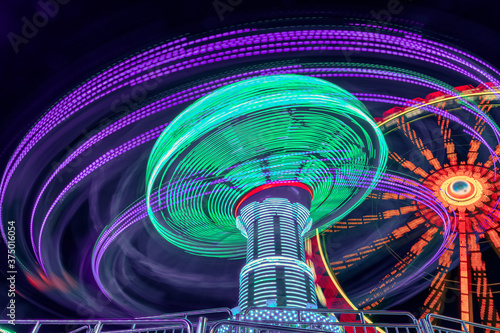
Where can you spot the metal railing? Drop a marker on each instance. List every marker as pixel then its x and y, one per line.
pixel 292 319
pixel 234 326
pixel 196 313
pixel 360 315
pixel 159 323
pixel 453 325
pixel 231 325
pixel 304 320
pixel 174 325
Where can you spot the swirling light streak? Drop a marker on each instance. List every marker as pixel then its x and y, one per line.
pixel 440 46
pixel 83 92
pixel 389 183
pixel 366 97
pixel 167 102
pixel 432 109
pixel 176 99
pixel 109 156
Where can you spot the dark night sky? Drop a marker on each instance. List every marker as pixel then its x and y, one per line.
pixel 87 36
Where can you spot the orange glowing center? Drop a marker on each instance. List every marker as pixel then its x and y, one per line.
pixel 461 190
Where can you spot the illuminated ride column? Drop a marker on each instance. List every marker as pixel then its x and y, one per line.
pixel 274 219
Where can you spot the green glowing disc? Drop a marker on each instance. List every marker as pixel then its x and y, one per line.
pixel 267 129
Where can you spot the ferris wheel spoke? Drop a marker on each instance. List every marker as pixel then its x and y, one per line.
pixel 482 222
pixel 448 142
pixel 417 142
pixel 488 218
pixel 360 253
pixel 479 127
pixel 489 316
pixel 433 303
pixel 472 154
pixel 494 239
pixel 363 252
pixel 390 280
pixel 492 159
pixel 369 219
pixel 407 164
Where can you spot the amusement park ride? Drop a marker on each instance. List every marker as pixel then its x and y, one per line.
pixel 345 193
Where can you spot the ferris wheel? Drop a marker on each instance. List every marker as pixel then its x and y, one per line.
pixel 400 233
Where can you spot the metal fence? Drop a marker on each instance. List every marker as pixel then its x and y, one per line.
pixel 174 325
pixel 259 320
pixel 180 322
pixel 434 323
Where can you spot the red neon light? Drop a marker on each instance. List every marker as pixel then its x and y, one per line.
pixel 270 185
